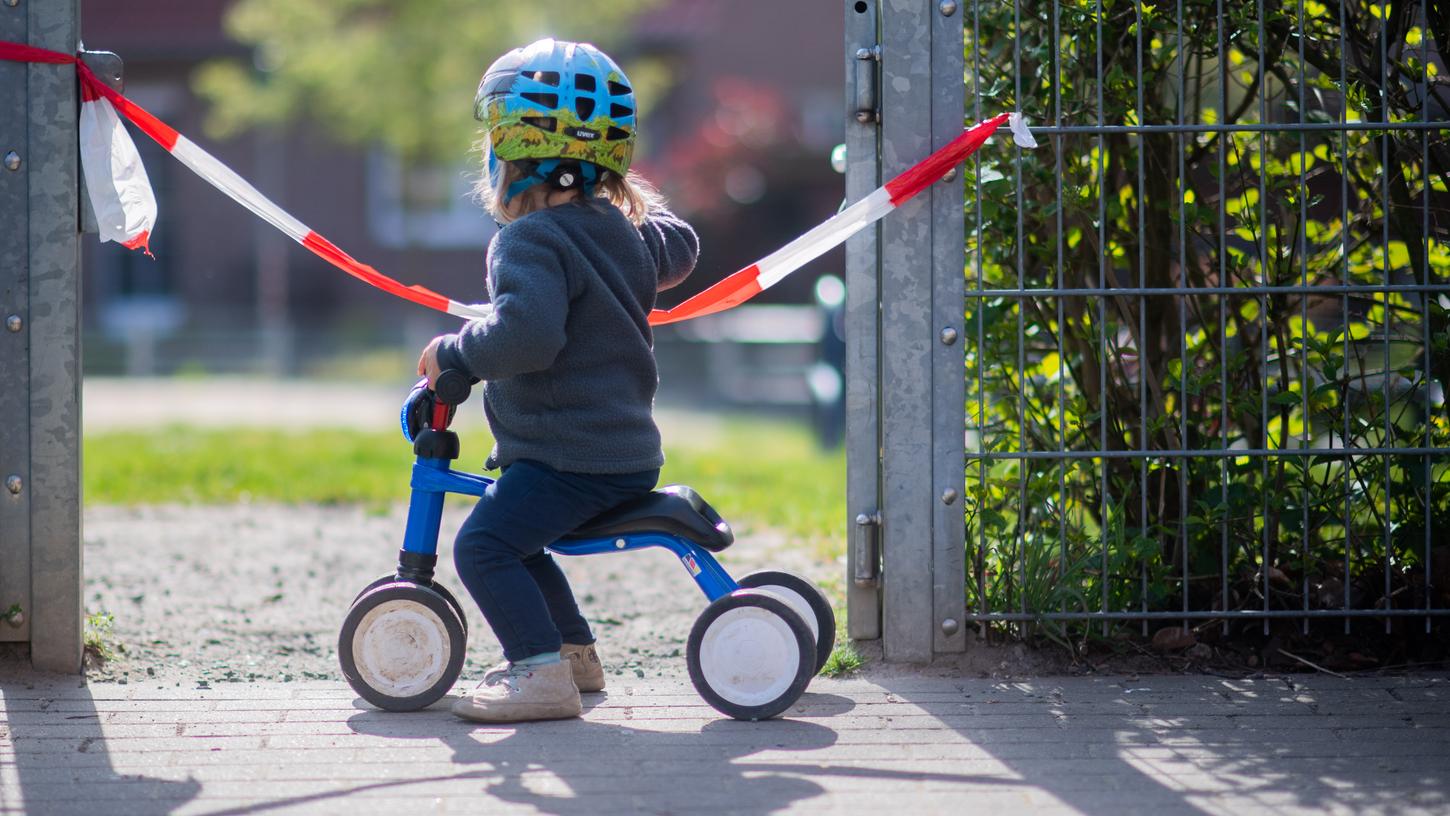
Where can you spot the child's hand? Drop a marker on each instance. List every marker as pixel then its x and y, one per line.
pixel 428 361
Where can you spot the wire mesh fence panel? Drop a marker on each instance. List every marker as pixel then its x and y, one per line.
pixel 1207 319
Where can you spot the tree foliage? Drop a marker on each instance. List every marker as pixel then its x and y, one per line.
pixel 396 72
pixel 1306 367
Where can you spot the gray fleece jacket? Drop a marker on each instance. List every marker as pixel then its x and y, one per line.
pixel 567 357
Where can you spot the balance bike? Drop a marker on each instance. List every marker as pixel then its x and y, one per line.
pixel 751 653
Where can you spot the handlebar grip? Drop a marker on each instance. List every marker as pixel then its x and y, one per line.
pixel 452 387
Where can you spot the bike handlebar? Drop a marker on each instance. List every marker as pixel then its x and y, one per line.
pixel 452 387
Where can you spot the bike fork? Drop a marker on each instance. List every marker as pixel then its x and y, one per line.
pixel 419 554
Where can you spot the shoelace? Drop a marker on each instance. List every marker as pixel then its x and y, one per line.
pixel 509 676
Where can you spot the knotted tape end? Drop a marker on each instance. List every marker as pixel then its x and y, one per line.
pixel 141 242
pixel 1020 134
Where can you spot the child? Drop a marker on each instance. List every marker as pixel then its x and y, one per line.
pixel 566 357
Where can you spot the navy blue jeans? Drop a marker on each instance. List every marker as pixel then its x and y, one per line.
pixel 500 552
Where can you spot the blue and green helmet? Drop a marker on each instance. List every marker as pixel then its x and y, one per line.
pixel 554 99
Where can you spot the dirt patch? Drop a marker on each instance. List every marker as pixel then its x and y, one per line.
pixel 257 592
pixel 1128 653
pixel 999 660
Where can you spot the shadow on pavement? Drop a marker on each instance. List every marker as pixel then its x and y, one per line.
pixel 1085 746
pixel 1201 745
pixel 587 767
pixel 60 758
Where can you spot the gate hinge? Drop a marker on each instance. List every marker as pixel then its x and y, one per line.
pixel 868 78
pixel 866 549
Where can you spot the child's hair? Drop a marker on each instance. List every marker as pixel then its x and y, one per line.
pixel 632 194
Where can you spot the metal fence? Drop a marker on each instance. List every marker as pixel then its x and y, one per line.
pixel 1203 329
pixel 1207 321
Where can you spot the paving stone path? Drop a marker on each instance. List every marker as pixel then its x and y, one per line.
pixel 176 738
pixel 1090 746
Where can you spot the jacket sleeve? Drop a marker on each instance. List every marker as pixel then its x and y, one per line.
pixel 672 244
pixel 530 305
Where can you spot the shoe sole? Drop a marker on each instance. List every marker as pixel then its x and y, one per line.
pixel 585 683
pixel 516 713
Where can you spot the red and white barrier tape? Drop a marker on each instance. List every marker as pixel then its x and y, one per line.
pixel 770 270
pixel 121 196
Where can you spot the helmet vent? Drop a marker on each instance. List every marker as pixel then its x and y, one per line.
pixel 615 134
pixel 540 122
pixel 584 82
pixel 584 106
pixel 547 100
pixel 618 89
pixel 618 111
pixel 547 77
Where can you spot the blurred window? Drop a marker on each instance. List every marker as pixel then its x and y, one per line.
pixel 424 205
pixel 133 291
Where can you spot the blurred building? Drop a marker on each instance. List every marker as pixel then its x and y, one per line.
pixel 740 143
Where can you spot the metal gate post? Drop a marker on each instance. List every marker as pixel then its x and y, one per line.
pixel 40 539
pixel 14 340
pixel 947 334
pixel 922 368
pixel 863 428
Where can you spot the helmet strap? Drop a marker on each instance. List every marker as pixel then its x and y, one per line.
pixel 495 173
pixel 563 174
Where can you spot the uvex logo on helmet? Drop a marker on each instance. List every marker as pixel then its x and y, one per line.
pixel 583 134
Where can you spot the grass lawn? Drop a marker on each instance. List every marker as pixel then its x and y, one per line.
pixel 756 472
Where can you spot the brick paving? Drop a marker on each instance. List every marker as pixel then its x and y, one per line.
pixel 918 745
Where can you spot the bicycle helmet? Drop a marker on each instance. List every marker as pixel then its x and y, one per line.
pixel 564 109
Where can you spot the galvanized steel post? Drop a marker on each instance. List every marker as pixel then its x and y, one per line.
pixel 863 429
pixel 40 523
pixel 917 364
pixel 14 342
pixel 948 365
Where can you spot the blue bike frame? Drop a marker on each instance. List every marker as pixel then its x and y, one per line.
pixel 434 478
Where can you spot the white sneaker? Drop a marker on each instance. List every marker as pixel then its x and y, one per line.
pixel 588 670
pixel 522 693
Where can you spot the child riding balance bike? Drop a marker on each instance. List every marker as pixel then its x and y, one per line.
pixel 568 375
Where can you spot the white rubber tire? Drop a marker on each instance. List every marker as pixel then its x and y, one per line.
pixel 807 601
pixel 392 578
pixel 401 646
pixel 750 655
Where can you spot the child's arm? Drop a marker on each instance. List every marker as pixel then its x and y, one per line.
pixel 673 245
pixel 530 304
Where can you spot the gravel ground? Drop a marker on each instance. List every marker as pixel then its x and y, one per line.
pixel 247 592
pixel 243 592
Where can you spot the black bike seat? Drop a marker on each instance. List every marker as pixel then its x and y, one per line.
pixel 674 509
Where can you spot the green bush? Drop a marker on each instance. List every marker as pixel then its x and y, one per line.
pixel 1254 371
